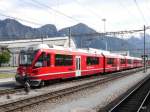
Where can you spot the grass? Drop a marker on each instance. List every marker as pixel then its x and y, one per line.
pixel 2 75
pixel 7 67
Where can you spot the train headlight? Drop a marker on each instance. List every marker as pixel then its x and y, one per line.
pixel 23 74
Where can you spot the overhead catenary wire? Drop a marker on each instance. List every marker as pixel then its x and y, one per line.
pixel 127 9
pixel 20 19
pixel 117 32
pixel 43 5
pixel 124 7
pixel 89 10
pixel 56 11
pixel 85 34
pixel 147 4
pixel 140 11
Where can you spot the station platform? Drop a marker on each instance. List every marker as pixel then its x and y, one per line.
pixel 7 83
pixel 5 80
pixel 8 70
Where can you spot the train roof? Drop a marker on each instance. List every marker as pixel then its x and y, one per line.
pixel 134 58
pixel 129 57
pixel 85 50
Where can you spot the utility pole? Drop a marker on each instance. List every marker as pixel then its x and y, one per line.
pixel 69 43
pixel 144 52
pixel 80 42
pixel 42 39
pixel 104 20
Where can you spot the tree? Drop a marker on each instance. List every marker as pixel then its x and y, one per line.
pixel 4 57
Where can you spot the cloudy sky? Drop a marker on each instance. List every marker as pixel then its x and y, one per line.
pixel 119 14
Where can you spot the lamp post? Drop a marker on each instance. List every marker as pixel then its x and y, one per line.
pixel 144 51
pixel 104 20
pixel 69 43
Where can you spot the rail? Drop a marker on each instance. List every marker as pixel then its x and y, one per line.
pixel 133 102
pixel 22 103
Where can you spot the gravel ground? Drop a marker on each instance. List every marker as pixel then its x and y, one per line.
pixel 89 100
pixel 34 92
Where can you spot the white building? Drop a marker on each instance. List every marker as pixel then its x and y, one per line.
pixel 17 45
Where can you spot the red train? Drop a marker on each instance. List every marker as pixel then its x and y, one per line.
pixel 41 63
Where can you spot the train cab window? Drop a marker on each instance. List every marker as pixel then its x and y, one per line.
pixel 92 60
pixel 48 60
pixel 110 61
pixel 63 60
pixel 43 60
pixel 26 57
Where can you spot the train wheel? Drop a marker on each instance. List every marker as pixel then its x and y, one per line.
pixel 27 87
pixel 42 83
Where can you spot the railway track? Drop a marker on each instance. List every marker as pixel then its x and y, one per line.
pixel 146 104
pixel 11 91
pixel 136 100
pixel 20 89
pixel 25 102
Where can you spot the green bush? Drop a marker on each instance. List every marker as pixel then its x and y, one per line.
pixel 4 57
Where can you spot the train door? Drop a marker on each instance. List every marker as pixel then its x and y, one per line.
pixel 78 66
pixel 118 64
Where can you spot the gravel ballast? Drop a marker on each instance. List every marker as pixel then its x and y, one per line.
pixel 89 100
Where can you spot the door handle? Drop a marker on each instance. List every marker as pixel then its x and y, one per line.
pixel 70 69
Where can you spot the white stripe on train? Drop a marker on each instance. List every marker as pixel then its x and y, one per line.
pixel 70 72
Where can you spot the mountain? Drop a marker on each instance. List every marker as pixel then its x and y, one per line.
pixel 139 42
pixel 12 29
pixel 94 41
pixel 77 32
pixel 49 30
pixel 77 29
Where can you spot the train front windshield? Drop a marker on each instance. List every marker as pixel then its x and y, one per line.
pixel 26 58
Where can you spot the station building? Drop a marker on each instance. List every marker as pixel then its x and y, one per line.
pixel 15 46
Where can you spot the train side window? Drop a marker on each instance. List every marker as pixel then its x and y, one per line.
pixel 48 60
pixel 40 60
pixel 63 60
pixel 110 61
pixel 43 60
pixel 92 60
pixel 129 61
pixel 123 61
